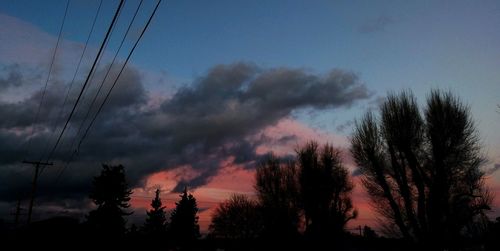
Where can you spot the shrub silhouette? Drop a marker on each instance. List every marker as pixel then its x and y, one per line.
pixel 237 218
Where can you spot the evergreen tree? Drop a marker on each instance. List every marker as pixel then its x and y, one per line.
pixel 111 195
pixel 156 220
pixel 184 221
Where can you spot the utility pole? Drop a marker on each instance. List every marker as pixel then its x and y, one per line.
pixel 17 213
pixel 35 179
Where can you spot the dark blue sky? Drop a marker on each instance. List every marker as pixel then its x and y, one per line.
pixel 391 45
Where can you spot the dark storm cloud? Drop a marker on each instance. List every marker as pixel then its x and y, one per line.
pixel 376 24
pixel 201 125
pixel 17 126
pixel 237 100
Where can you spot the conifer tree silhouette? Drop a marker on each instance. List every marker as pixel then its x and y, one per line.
pixel 183 226
pixel 156 221
pixel 111 195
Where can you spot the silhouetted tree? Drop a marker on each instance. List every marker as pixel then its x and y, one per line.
pixel 111 195
pixel 133 233
pixel 325 190
pixel 183 225
pixel 422 173
pixel 156 221
pixel 237 218
pixel 277 190
pixel 369 233
pixel 492 241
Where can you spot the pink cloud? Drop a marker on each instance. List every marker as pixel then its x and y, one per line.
pixel 361 202
pixel 165 180
pixel 284 137
pixel 231 179
pixel 494 187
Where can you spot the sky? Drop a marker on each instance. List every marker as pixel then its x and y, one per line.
pixel 213 86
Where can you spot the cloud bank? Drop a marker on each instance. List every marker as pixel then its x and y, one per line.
pixel 232 115
pixel 200 126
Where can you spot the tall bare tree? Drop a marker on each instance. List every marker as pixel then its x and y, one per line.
pixel 277 190
pixel 325 190
pixel 422 171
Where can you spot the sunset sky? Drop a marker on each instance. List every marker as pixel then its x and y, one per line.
pixel 214 86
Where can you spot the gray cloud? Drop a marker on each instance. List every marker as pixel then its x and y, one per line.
pixel 356 172
pixel 13 77
pixel 201 125
pixel 376 24
pixel 342 127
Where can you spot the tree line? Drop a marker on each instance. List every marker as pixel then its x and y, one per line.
pixel 309 195
pixel 420 168
pixel 111 196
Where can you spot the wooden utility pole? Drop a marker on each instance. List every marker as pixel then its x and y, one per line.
pixel 35 179
pixel 18 212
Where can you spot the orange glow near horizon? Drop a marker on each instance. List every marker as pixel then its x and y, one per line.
pixel 235 179
pixel 231 179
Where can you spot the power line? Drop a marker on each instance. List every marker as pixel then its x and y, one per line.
pixel 93 73
pixel 112 62
pixel 106 74
pixel 116 80
pixel 87 80
pixel 97 94
pixel 74 75
pixel 119 74
pixel 35 121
